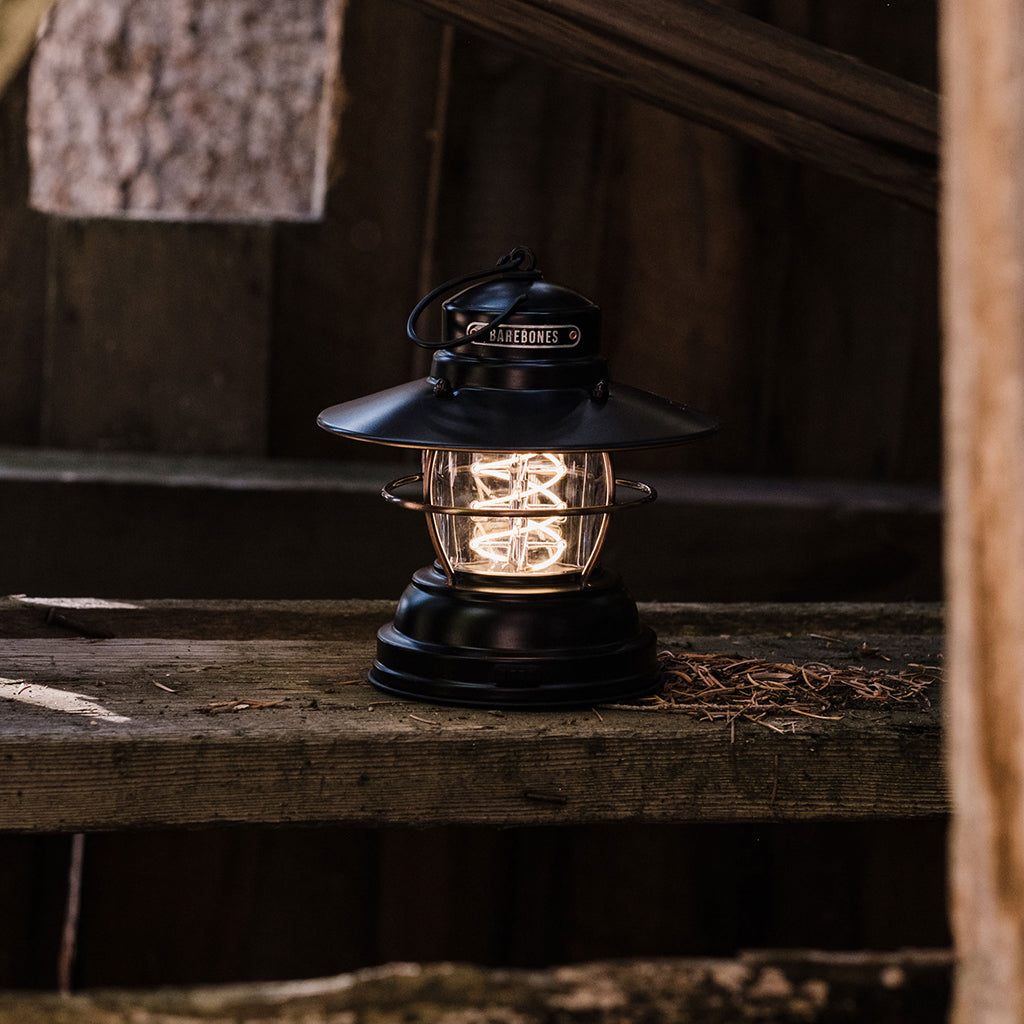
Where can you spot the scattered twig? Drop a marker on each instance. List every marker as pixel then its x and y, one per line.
pixel 767 725
pixel 425 721
pixel 72 910
pixel 162 687
pixel 220 707
pixel 824 718
pixel 546 796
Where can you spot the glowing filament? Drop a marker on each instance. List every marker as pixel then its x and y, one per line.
pixel 511 545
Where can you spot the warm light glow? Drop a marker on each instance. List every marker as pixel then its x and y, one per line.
pixel 518 481
pixel 549 544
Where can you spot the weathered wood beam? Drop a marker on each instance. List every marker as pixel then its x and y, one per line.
pixel 737 74
pixel 790 987
pixel 983 263
pixel 115 726
pixel 215 109
pixel 319 528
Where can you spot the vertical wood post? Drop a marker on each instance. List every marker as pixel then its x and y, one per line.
pixel 983 262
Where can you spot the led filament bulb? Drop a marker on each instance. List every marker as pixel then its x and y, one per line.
pixel 515 546
pixel 492 544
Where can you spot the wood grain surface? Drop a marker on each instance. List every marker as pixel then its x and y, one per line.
pixel 983 303
pixel 272 730
pixel 737 74
pixel 785 987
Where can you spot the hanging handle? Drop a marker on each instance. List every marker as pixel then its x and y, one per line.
pixel 519 264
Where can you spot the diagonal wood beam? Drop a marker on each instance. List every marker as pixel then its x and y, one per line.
pixel 734 73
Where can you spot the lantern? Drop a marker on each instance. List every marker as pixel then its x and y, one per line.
pixel 516 422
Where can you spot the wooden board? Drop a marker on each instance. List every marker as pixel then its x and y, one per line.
pixel 23 241
pixel 161 741
pixel 114 524
pixel 737 74
pixel 983 300
pixel 798 987
pixel 157 337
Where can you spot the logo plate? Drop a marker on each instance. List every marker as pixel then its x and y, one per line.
pixel 528 335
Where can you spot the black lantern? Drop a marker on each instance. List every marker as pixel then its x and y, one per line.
pixel 516 421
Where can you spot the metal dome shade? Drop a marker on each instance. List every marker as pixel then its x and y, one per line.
pixel 420 414
pixel 518 368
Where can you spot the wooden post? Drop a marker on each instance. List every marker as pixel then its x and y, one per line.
pixel 983 254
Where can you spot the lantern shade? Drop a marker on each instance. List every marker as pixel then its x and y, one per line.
pixel 415 415
pixel 536 383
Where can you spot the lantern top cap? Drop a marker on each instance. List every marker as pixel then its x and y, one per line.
pixel 538 296
pixel 517 368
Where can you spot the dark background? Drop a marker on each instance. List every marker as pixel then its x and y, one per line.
pixel 158 393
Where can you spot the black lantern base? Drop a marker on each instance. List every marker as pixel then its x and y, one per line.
pixel 515 647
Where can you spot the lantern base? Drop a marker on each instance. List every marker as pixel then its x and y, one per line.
pixel 514 646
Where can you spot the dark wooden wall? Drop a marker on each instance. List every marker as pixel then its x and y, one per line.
pixel 798 307
pixel 245 904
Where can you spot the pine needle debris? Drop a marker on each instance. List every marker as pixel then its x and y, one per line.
pixel 724 687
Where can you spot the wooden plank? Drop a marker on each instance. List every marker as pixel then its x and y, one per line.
pixel 724 69
pixel 181 110
pixel 157 337
pixel 526 160
pixel 51 617
pixel 319 530
pixel 33 892
pixel 983 263
pixel 529 897
pixel 785 987
pixel 846 372
pixel 22 277
pixel 154 744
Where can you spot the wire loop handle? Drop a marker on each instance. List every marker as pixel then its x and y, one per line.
pixel 519 264
pixel 645 491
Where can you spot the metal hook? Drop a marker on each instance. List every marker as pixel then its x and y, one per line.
pixel 515 259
